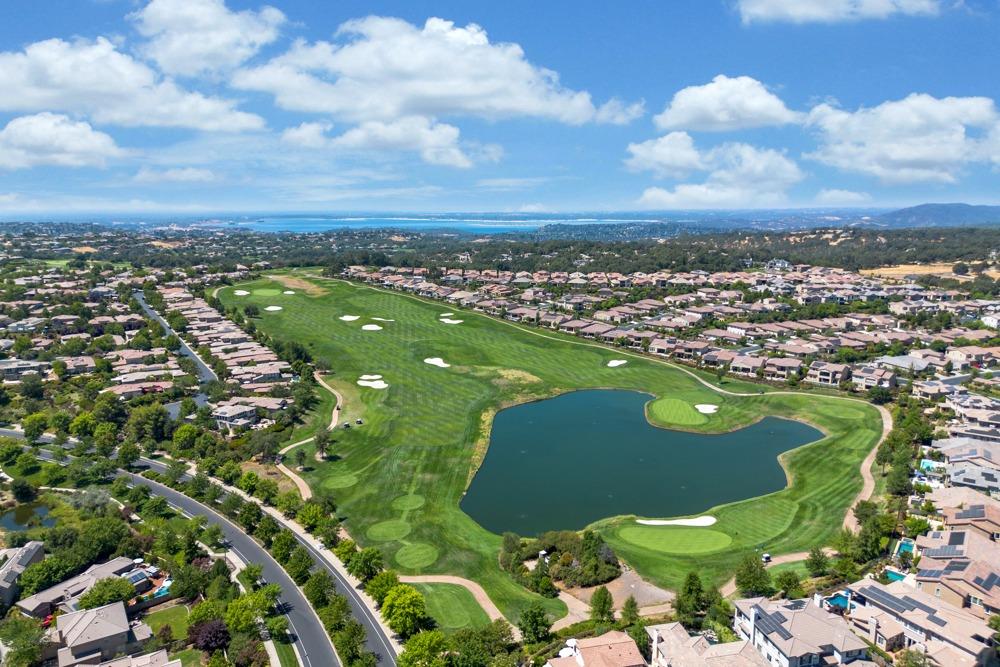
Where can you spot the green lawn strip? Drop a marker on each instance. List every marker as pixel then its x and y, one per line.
pixel 798 567
pixel 452 607
pixel 176 617
pixel 424 434
pixel 286 653
pixel 189 657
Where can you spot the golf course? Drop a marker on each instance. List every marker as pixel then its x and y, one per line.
pixel 427 378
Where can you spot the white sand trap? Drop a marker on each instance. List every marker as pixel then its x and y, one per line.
pixel 288 291
pixel 370 327
pixel 273 308
pixel 697 522
pixel 370 377
pixel 374 384
pixel 350 318
pixel 437 361
pixel 382 319
pixel 615 363
pixel 446 314
pixel 706 408
pixel 448 321
pixel 241 292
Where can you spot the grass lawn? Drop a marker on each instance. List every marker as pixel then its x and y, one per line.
pixel 399 478
pixel 189 657
pixel 675 539
pixel 452 607
pixel 798 567
pixel 286 654
pixel 176 617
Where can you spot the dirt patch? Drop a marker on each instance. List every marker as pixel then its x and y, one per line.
pixel 629 583
pixel 84 249
pixel 517 376
pixel 269 472
pixel 293 282
pixel 941 269
pixel 169 245
pixel 481 443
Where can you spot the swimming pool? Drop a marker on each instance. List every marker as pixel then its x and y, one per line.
pixel 893 575
pixel 838 600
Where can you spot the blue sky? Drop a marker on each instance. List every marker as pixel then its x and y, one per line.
pixel 200 106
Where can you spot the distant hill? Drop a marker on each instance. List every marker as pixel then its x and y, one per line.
pixel 941 215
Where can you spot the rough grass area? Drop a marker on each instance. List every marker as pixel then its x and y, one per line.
pixel 452 607
pixel 425 433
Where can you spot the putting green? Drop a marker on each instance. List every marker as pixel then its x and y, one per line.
pixel 410 501
pixel 676 411
pixel 388 531
pixel 675 539
pixel 341 481
pixel 416 555
pixel 266 291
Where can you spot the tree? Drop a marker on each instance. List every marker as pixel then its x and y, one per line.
pixel 602 606
pixel 911 658
pixel 309 515
pixel 299 565
pixel 212 635
pixel 185 437
pixel 404 610
pixel 254 572
pixel 817 562
pixel 879 395
pixel 534 624
pixel 322 442
pixel 282 545
pixel 630 612
pixel 277 627
pixel 380 585
pixel 366 563
pixel 34 426
pixel 751 578
pixel 128 454
pixel 23 490
pixel 788 582
pixel 106 591
pixel 319 588
pixel 209 610
pixel 690 602
pixel 425 649
pixel 23 638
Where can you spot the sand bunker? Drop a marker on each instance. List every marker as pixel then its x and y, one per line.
pixel 288 291
pixel 447 321
pixel 273 308
pixel 437 361
pixel 446 314
pixel 371 327
pixel 706 408
pixel 370 377
pixel 615 363
pixel 350 318
pixel 374 384
pixel 697 522
pixel 382 319
pixel 241 292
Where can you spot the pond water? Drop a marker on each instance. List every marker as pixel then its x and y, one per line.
pixel 21 517
pixel 565 462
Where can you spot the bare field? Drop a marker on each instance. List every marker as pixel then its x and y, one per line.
pixel 900 271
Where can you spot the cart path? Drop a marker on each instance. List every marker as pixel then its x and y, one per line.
pixel 300 483
pixel 729 588
pixel 477 591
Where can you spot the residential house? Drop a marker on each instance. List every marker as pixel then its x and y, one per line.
pixel 14 370
pixel 827 374
pixel 867 377
pixel 97 635
pixel 64 595
pixel 14 561
pixel 612 649
pixel 672 646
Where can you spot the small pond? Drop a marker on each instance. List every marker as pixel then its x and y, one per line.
pixel 565 462
pixel 25 516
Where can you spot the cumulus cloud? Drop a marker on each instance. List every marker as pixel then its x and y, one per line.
pixel 384 69
pixel 726 103
pixel 174 175
pixel 740 176
pixel 54 139
pixel 190 37
pixel 672 155
pixel 96 79
pixel 834 196
pixel 917 139
pixel 832 11
pixel 436 143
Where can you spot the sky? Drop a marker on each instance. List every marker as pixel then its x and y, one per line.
pixel 202 106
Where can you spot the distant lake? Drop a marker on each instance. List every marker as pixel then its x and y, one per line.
pixel 26 515
pixel 565 462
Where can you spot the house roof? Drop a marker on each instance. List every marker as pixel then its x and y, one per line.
pixel 89 625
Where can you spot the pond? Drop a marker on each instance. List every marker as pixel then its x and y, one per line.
pixel 25 516
pixel 565 462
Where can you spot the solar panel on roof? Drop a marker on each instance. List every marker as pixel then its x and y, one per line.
pixel 956 538
pixel 937 621
pixel 769 625
pixel 930 574
pixel 918 605
pixel 956 566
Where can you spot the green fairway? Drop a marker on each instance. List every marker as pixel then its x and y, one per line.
pixel 675 539
pixel 452 607
pixel 398 478
pixel 675 412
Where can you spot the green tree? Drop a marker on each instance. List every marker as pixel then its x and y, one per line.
pixel 380 585
pixel 282 545
pixel 425 649
pixel 911 658
pixel 817 562
pixel 534 623
pixel 788 583
pixel 23 637
pixel 309 515
pixel 690 602
pixel 404 610
pixel 34 426
pixel 128 454
pixel 752 579
pixel 630 612
pixel 319 588
pixel 602 608
pixel 299 565
pixel 106 591
pixel 366 563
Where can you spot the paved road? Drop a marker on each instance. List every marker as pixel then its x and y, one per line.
pixel 315 647
pixel 205 374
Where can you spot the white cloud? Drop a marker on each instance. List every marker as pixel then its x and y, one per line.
pixel 384 69
pixel 726 103
pixel 54 139
pixel 96 79
pixel 741 176
pixel 511 183
pixel 190 37
pixel 174 175
pixel 833 196
pixel 917 139
pixel 672 155
pixel 436 143
pixel 831 11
